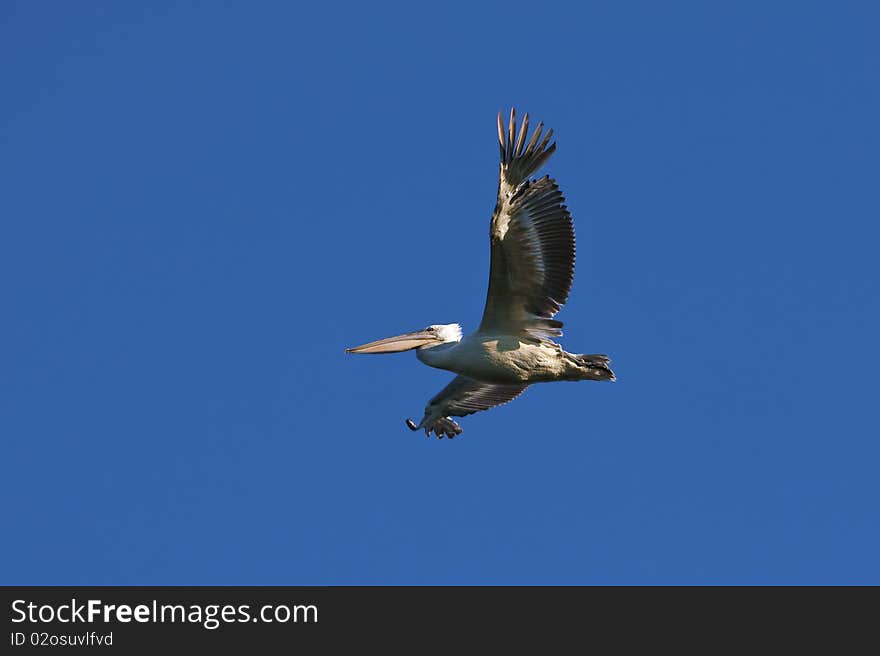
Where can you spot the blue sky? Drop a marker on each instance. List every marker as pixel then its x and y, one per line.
pixel 204 203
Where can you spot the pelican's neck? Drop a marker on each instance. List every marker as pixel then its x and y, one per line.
pixel 437 355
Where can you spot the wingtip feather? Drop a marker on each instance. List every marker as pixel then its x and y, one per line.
pixel 521 156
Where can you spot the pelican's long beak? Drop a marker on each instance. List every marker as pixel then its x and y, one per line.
pixel 396 344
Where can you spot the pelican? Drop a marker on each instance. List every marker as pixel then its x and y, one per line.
pixel 532 266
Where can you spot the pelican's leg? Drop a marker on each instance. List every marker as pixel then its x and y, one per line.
pixel 442 426
pixel 445 425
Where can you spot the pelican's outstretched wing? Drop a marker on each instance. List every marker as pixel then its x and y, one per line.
pixel 532 240
pixel 463 396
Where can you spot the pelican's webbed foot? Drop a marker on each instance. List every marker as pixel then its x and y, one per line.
pixel 442 426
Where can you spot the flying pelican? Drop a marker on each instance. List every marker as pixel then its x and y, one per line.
pixel 530 275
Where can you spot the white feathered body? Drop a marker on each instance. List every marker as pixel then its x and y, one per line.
pixel 501 358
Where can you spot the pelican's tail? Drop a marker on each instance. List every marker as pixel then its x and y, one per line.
pixel 589 367
pixel 597 366
pixel 518 160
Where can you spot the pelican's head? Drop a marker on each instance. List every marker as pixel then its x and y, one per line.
pixel 425 338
